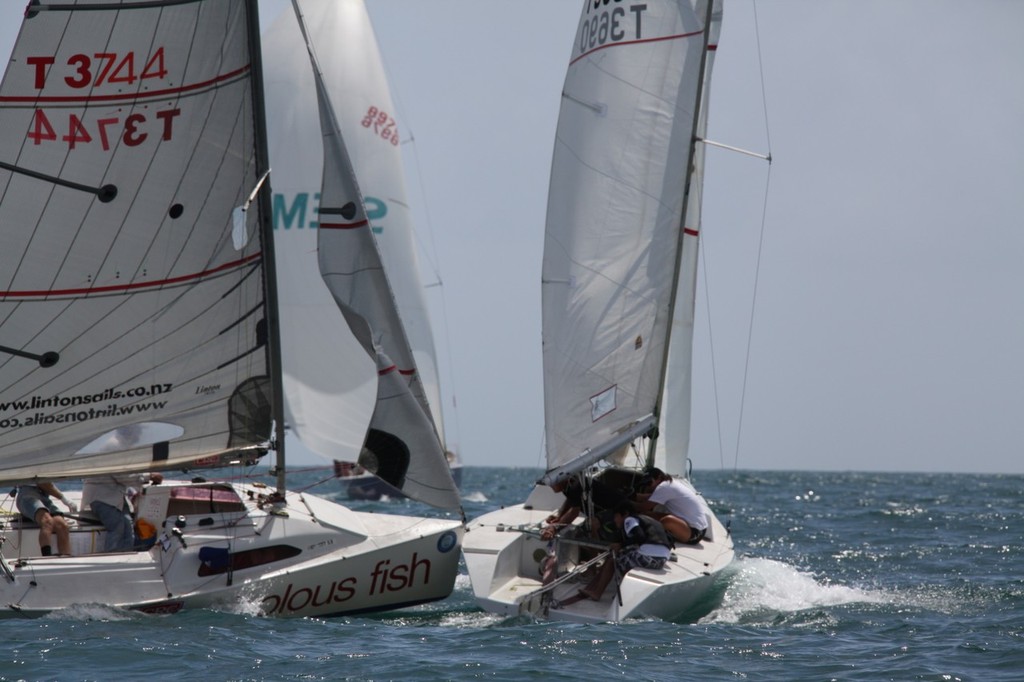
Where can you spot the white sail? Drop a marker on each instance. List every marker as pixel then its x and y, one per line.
pixel 351 64
pixel 328 402
pixel 673 443
pixel 613 231
pixel 119 174
pixel 402 446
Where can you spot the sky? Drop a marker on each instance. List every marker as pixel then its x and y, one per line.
pixel 861 300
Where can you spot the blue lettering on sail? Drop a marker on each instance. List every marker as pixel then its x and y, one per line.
pixel 297 213
pixel 299 210
pixel 375 210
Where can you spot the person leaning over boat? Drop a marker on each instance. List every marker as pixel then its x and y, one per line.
pixel 107 498
pixel 643 543
pixel 576 498
pixel 34 502
pixel 673 503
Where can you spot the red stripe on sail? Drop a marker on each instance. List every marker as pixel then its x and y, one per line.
pixel 54 99
pixel 394 368
pixel 690 231
pixel 637 42
pixel 136 286
pixel 344 226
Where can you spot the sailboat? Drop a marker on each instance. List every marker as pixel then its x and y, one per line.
pixel 351 64
pixel 619 276
pixel 139 327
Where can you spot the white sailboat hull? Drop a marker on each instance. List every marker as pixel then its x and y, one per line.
pixel 309 558
pixel 503 553
pixel 143 328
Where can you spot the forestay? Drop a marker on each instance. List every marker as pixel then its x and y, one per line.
pixel 127 139
pixel 615 207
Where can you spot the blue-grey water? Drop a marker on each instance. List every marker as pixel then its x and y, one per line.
pixel 839 576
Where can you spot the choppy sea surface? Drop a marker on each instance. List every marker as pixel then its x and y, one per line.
pixel 839 576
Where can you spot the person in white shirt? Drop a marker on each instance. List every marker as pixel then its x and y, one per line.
pixel 675 504
pixel 107 498
pixel 643 543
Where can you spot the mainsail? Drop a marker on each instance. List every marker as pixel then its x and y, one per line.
pixel 133 332
pixel 402 445
pixel 614 229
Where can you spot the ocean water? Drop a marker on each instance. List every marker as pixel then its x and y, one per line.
pixel 839 576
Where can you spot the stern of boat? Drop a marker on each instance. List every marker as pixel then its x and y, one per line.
pixel 504 556
pixel 504 553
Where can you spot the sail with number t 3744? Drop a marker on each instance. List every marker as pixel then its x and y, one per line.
pixel 139 328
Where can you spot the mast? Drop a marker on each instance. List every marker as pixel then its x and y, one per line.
pixel 267 237
pixel 682 224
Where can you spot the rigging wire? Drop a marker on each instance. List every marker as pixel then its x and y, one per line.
pixel 750 323
pixel 760 245
pixel 711 347
pixel 757 269
pixel 439 283
pixel 764 90
pixel 431 255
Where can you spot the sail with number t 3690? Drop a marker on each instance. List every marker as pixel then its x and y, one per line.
pixel 619 259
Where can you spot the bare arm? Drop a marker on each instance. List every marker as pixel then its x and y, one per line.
pixel 50 489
